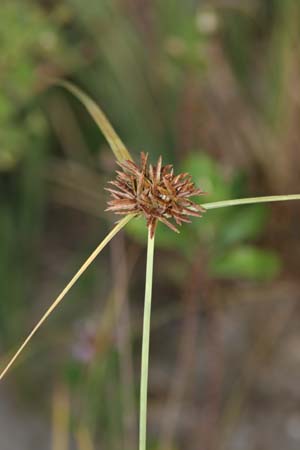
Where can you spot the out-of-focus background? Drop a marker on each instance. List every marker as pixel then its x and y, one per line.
pixel 213 86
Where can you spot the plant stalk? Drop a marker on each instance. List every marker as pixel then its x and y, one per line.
pixel 145 344
pixel 251 200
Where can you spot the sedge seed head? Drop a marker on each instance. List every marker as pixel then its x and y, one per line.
pixel 155 193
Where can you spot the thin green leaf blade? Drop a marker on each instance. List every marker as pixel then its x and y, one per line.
pixel 63 293
pixel 120 151
pixel 251 201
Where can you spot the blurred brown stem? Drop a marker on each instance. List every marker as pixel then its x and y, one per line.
pixel 123 336
pixel 186 357
pixel 60 418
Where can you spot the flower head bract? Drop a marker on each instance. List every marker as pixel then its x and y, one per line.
pixel 155 193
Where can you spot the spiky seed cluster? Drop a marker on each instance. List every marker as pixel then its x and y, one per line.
pixel 154 192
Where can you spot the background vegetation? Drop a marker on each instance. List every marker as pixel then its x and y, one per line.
pixel 213 87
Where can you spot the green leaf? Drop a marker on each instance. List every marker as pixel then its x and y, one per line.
pixel 244 223
pixel 120 151
pixel 207 175
pixel 248 263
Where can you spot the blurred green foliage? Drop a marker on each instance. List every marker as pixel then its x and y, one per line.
pixel 30 40
pixel 247 262
pixel 223 232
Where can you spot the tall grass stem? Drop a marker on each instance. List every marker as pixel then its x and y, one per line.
pixel 145 344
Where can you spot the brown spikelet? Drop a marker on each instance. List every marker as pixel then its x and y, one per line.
pixel 154 192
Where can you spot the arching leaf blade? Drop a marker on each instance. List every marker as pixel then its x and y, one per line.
pixel 120 151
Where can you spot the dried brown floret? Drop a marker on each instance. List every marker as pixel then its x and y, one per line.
pixel 154 192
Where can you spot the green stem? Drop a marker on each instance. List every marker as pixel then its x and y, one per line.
pixel 145 344
pixel 251 200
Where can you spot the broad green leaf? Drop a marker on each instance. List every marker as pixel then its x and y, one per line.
pixel 242 224
pixel 120 151
pixel 207 175
pixel 246 262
